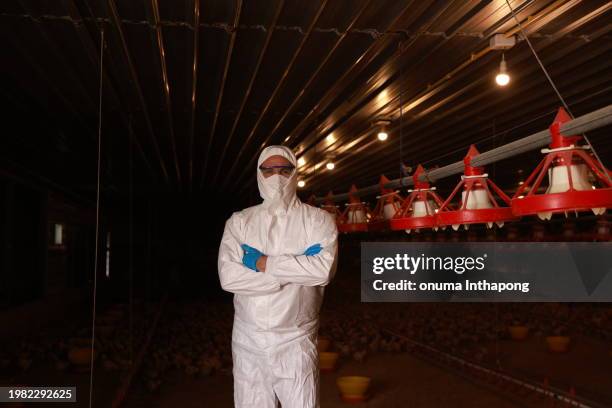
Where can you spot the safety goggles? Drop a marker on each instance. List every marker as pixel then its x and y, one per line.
pixel 285 171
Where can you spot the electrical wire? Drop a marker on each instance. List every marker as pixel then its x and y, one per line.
pixel 95 280
pixel 131 241
pixel 401 121
pixel 552 83
pixel 504 133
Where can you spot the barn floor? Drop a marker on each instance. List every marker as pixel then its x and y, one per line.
pixel 399 381
pixel 399 378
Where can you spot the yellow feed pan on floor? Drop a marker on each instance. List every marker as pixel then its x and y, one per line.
pixel 518 332
pixel 327 360
pixel 80 357
pixel 323 343
pixel 558 344
pixel 353 388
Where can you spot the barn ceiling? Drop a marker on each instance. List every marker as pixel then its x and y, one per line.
pixel 192 90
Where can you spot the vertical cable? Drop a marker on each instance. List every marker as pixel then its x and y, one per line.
pixel 535 54
pixel 95 282
pixel 401 121
pixel 131 241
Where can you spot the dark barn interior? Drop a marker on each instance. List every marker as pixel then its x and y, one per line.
pixel 132 132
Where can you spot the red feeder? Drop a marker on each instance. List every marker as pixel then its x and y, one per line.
pixel 568 168
pixel 389 202
pixel 356 215
pixel 329 206
pixel 418 210
pixel 478 205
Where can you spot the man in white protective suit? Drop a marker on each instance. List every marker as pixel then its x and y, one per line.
pixel 277 257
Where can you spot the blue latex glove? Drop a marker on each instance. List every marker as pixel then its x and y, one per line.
pixel 250 257
pixel 313 250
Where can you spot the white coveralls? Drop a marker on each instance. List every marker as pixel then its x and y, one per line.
pixel 277 311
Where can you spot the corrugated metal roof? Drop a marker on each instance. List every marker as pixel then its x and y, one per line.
pixel 330 66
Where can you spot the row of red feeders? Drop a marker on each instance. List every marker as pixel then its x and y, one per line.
pixel 389 202
pixel 419 209
pixel 478 203
pixel 573 176
pixel 355 216
pixel 576 183
pixel 424 209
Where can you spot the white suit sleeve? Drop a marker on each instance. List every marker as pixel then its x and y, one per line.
pixel 316 270
pixel 233 275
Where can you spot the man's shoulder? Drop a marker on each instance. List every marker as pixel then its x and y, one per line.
pixel 244 213
pixel 318 214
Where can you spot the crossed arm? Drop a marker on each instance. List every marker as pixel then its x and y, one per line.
pixel 313 270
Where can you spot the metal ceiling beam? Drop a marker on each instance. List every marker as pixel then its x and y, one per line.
pixel 157 39
pixel 388 167
pixel 194 85
pixel 281 82
pixel 553 11
pixel 559 54
pixel 366 93
pixel 476 134
pixel 394 59
pixel 314 75
pixel 424 26
pixel 463 133
pixel 118 31
pixel 318 133
pixel 228 61
pixel 373 51
pixel 92 54
pixel 470 118
pixel 467 139
pixel 245 98
pixel 425 131
pixel 593 120
pixel 42 74
pixel 543 14
pixel 66 68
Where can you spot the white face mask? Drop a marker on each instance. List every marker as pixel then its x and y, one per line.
pixel 275 186
pixel 278 192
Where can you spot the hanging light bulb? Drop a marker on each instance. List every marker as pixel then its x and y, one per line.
pixel 301 161
pixel 330 165
pixel 301 183
pixel 381 125
pixel 382 134
pixel 502 77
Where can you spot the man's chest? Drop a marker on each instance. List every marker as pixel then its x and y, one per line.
pixel 278 235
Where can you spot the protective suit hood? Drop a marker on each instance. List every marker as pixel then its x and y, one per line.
pixel 278 192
